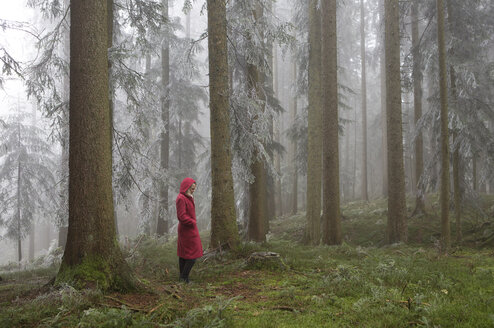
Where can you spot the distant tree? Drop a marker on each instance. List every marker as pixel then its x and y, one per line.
pixel 417 103
pixel 365 194
pixel 26 178
pixel 163 225
pixel 224 231
pixel 92 255
pixel 331 184
pixel 396 227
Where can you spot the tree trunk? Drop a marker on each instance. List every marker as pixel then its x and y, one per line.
pixel 331 175
pixel 277 135
pixel 456 153
pixel 396 226
pixel 417 103
pixel 64 184
pixel 258 207
pixel 162 224
pixel 314 147
pixel 92 256
pixel 383 109
pixel 443 88
pixel 19 234
pixel 294 193
pixel 224 231
pixel 365 195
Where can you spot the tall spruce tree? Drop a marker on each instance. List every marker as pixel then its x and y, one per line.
pixel 224 231
pixel 92 256
pixel 331 181
pixel 396 226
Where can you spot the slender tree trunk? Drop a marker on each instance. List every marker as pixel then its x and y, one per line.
pixel 331 175
pixel 294 193
pixel 92 256
pixel 443 85
pixel 314 151
pixel 417 103
pixel 456 154
pixel 162 224
pixel 19 234
pixel 396 227
pixel 474 172
pixel 365 195
pixel 383 108
pixel 277 134
pixel 224 230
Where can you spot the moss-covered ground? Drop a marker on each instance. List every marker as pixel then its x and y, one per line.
pixel 362 283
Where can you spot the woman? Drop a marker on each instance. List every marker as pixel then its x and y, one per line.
pixel 189 246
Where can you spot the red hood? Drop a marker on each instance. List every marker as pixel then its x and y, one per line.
pixel 185 185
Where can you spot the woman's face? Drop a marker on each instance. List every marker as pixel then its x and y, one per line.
pixel 192 188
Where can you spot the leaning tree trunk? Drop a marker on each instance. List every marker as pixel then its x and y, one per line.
pixel 331 175
pixel 314 146
pixel 365 194
pixel 162 224
pixel 396 226
pixel 443 89
pixel 417 103
pixel 224 230
pixel 92 256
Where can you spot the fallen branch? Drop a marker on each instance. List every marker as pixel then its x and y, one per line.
pixel 131 307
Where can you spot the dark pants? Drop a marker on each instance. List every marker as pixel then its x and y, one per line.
pixel 185 267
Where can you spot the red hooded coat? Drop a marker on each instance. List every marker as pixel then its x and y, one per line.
pixel 189 243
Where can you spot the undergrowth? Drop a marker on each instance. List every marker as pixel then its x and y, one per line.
pixel 362 283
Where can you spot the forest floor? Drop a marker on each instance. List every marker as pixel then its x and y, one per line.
pixel 362 283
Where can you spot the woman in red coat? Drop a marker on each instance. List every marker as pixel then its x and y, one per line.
pixel 189 247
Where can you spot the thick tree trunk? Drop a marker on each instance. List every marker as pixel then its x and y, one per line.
pixel 92 256
pixel 396 226
pixel 162 224
pixel 417 103
pixel 314 151
pixel 294 193
pixel 365 195
pixel 443 88
pixel 224 231
pixel 331 170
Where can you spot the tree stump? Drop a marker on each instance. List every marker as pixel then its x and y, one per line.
pixel 265 261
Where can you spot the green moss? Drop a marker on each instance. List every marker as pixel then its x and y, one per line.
pixel 92 272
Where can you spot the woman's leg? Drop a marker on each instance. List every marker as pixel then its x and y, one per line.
pixel 181 265
pixel 187 267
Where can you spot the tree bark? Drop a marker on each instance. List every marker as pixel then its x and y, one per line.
pixel 162 224
pixel 417 103
pixel 92 256
pixel 443 88
pixel 396 226
pixel 314 151
pixel 365 195
pixel 224 230
pixel 331 175
pixel 19 234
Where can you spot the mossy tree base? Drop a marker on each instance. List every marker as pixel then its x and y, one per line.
pixel 95 272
